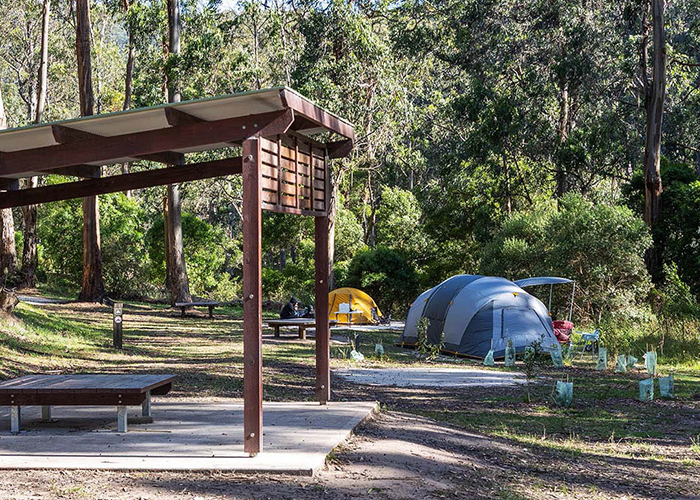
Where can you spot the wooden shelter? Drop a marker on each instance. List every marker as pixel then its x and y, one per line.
pixel 284 168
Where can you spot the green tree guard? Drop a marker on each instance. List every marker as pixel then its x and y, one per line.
pixel 621 364
pixel 666 387
pixel 602 363
pixel 646 390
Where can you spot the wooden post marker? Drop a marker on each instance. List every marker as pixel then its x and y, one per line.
pixel 117 325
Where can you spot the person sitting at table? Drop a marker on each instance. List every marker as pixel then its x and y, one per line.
pixel 290 309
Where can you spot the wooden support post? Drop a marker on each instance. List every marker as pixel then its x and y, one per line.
pixel 121 419
pixel 146 405
pixel 117 310
pixel 15 419
pixel 252 300
pixel 323 373
pixel 46 413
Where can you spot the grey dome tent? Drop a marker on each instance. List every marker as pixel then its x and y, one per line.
pixel 472 311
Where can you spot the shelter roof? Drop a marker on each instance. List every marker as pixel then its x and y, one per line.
pixel 543 280
pixel 36 149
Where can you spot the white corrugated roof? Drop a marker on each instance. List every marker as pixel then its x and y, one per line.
pixel 154 117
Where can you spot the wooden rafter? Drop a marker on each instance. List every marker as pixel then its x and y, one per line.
pixel 67 135
pixel 116 183
pixel 106 149
pixel 316 115
pixel 175 117
pixel 9 184
pixel 339 149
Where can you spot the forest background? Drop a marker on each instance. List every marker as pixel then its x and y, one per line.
pixel 501 137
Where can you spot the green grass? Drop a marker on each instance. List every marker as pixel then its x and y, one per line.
pixel 207 356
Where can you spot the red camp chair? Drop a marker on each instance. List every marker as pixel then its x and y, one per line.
pixel 562 330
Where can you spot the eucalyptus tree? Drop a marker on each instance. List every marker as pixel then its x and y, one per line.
pixel 8 256
pixel 175 254
pixel 92 289
pixel 30 258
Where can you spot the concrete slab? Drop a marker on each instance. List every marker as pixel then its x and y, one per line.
pixel 430 377
pixel 183 436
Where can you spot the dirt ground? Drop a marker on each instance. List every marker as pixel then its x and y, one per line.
pixel 395 456
pixel 407 451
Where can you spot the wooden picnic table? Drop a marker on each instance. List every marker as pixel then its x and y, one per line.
pixel 301 323
pixel 82 390
pixel 208 304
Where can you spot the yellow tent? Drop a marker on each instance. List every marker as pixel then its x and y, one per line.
pixel 359 301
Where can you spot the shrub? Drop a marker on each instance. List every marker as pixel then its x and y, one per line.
pixel 207 251
pixel 385 276
pixel 600 246
pixel 124 258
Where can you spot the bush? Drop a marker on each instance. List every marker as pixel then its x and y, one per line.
pixel 385 276
pixel 207 252
pixel 296 279
pixel 600 246
pixel 677 233
pixel 124 258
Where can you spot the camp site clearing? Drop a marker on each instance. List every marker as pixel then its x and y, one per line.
pixel 425 439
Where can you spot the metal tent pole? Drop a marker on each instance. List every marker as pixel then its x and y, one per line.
pixel 549 308
pixel 571 307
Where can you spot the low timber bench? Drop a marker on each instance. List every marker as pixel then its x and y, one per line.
pixel 301 323
pixel 210 305
pixel 82 390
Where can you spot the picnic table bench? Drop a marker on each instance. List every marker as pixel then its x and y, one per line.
pixel 208 304
pixel 301 323
pixel 82 390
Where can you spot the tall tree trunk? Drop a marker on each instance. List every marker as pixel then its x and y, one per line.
pixel 655 94
pixel 561 179
pixel 30 259
pixel 29 250
pixel 8 257
pixel 177 268
pixel 93 286
pixel 506 179
pixel 128 80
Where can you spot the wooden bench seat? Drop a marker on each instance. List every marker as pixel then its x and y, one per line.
pixel 82 390
pixel 208 304
pixel 301 323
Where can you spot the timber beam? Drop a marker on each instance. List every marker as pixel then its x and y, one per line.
pixel 316 115
pixel 124 182
pixel 175 117
pixel 110 149
pixel 66 135
pixel 339 149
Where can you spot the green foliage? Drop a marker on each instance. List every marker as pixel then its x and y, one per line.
pixel 385 276
pixel 600 246
pixel 207 250
pixel 426 350
pixel 677 234
pixel 399 222
pixel 295 279
pixel 677 301
pixel 124 259
pixel 349 236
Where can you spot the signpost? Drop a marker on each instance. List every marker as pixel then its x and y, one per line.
pixel 117 325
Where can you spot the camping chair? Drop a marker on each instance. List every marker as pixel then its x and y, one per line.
pixel 379 320
pixel 589 342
